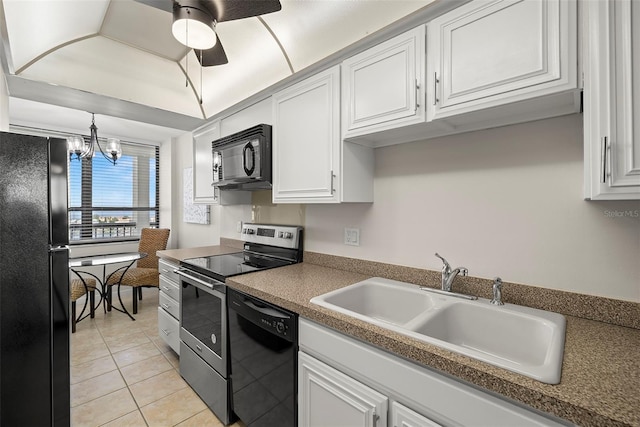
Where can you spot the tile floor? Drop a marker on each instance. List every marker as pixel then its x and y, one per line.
pixel 123 374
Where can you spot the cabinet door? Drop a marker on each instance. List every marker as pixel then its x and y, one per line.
pixel 612 100
pixel 490 53
pixel 306 140
pixel 401 416
pixel 329 398
pixel 383 86
pixel 203 191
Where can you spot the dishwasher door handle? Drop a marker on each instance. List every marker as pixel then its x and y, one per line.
pixel 268 311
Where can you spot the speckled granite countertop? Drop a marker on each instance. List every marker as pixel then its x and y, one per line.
pixel 600 383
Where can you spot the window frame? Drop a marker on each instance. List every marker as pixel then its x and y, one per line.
pixel 87 209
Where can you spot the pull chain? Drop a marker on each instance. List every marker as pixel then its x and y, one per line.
pixel 201 77
pixel 186 57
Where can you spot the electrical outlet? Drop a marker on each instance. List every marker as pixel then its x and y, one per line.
pixel 239 227
pixel 352 236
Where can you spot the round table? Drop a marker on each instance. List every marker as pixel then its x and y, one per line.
pixel 103 260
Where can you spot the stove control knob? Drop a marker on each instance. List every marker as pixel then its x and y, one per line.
pixel 286 234
pixel 249 231
pixel 280 327
pixel 281 234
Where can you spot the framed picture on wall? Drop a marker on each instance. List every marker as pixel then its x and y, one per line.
pixel 192 213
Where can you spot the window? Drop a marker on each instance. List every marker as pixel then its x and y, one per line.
pixel 110 202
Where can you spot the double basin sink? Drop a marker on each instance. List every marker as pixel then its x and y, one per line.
pixel 517 338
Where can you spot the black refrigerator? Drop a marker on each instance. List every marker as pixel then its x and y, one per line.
pixel 34 282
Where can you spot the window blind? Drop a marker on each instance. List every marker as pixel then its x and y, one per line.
pixel 110 202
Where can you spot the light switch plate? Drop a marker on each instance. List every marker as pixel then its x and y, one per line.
pixel 352 236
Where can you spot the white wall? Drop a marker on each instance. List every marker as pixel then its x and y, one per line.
pixel 166 191
pixel 189 235
pixel 4 104
pixel 503 202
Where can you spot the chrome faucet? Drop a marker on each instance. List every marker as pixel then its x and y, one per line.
pixel 449 275
pixel 497 292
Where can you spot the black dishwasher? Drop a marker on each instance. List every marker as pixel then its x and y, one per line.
pixel 263 348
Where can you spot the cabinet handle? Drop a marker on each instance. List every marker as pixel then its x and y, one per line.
pixel 435 89
pixel 166 332
pixel 603 159
pixel 376 417
pixel 333 190
pixel 166 306
pixel 417 96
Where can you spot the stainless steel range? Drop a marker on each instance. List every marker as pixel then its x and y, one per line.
pixel 204 347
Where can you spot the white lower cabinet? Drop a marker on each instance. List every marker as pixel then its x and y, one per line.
pixel 330 398
pixel 401 416
pixel 169 308
pixel 169 329
pixel 345 382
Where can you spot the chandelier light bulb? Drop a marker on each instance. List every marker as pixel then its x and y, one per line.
pixel 113 149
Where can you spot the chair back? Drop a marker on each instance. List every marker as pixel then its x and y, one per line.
pixel 152 240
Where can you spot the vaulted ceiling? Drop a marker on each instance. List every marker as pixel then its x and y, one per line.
pixel 118 57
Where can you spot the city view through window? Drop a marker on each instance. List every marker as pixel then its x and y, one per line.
pixel 113 202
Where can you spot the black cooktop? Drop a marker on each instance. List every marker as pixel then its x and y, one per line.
pixel 227 265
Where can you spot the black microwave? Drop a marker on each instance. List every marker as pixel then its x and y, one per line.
pixel 242 161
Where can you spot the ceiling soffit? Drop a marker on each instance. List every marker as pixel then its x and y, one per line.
pixel 124 50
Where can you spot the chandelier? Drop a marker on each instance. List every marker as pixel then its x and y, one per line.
pixel 79 147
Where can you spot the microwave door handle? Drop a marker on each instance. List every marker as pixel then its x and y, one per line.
pixel 217 166
pixel 249 149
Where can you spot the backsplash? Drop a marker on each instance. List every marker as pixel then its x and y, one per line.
pixel 263 211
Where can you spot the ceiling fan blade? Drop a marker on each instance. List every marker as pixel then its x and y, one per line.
pixel 213 56
pixel 166 5
pixel 229 10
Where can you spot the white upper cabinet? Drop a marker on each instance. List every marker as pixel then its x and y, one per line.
pixel 488 54
pixel 383 87
pixel 311 164
pixel 612 100
pixel 203 191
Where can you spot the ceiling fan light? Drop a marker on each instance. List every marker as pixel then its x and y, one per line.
pixel 193 28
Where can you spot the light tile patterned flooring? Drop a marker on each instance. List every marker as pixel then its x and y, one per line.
pixel 123 374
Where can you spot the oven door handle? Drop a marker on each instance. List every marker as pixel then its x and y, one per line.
pixel 194 281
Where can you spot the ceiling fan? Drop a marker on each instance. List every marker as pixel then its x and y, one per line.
pixel 194 22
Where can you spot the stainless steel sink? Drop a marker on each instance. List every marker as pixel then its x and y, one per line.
pixel 517 338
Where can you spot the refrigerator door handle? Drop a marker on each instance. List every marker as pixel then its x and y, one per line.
pixel 58 248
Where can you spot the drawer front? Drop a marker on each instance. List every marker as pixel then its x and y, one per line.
pixel 169 330
pixel 170 288
pixel 170 305
pixel 166 269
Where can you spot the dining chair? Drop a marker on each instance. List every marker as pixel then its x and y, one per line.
pixel 145 273
pixel 80 287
